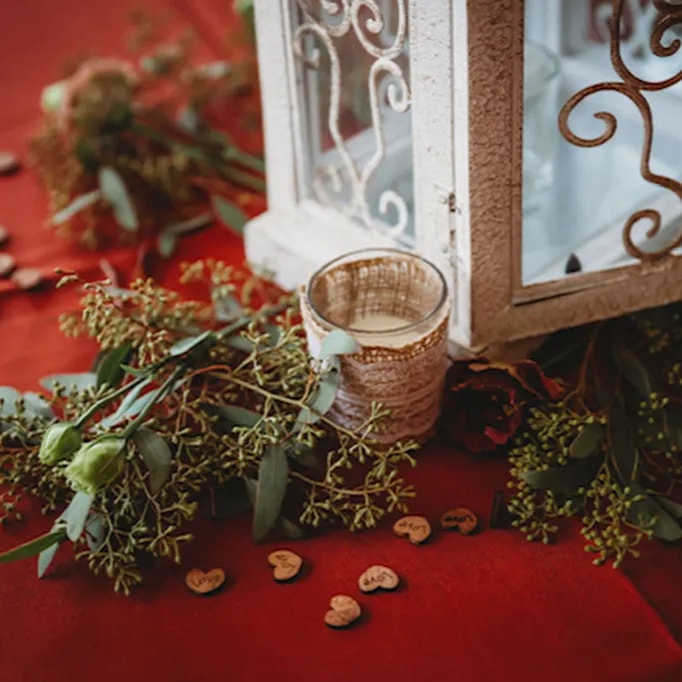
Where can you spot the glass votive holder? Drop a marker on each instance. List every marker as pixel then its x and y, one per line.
pixel 395 305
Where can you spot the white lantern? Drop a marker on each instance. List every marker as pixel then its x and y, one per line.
pixel 532 150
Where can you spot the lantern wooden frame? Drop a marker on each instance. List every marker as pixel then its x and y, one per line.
pixel 466 61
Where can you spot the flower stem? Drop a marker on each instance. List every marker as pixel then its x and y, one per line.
pixel 163 390
pixel 103 402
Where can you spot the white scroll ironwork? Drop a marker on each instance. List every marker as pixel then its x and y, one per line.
pixel 345 184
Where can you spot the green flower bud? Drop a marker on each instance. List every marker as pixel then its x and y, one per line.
pixel 96 465
pixel 52 97
pixel 59 442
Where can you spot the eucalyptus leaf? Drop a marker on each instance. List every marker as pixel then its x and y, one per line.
pixel 33 547
pixel 9 397
pixel 564 479
pixel 130 412
pixel 72 382
pixel 338 342
pixel 291 530
pixel 273 478
pixel 218 69
pixel 229 214
pixel 587 441
pixel 130 406
pixel 225 306
pixel 671 506
pixel 190 225
pixel 94 532
pixel 649 515
pixel 166 243
pixel 37 405
pixel 237 416
pixel 110 370
pixel 634 371
pixel 77 205
pixel 45 558
pixel 77 514
pixel 185 345
pixel 134 371
pixel 239 342
pixel 115 193
pixel 623 450
pixel 322 400
pixel 156 454
pixel 188 119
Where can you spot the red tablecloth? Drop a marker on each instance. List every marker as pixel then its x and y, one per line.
pixel 478 609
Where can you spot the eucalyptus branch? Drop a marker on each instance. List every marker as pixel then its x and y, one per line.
pixel 216 413
pixel 160 394
pixel 106 400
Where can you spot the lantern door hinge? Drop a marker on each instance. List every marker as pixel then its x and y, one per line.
pixel 447 197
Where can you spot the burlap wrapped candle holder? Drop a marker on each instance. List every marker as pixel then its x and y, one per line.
pixel 395 305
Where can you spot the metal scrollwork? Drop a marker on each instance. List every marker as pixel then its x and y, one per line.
pixel 631 86
pixel 387 86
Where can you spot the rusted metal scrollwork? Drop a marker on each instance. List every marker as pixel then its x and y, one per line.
pixel 633 87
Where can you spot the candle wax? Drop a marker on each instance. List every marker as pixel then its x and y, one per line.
pixel 375 328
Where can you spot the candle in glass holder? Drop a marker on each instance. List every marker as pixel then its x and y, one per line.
pixel 375 327
pixel 395 305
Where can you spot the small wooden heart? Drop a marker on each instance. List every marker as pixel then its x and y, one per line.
pixel 286 565
pixel 378 578
pixel 416 528
pixel 461 519
pixel 344 611
pixel 205 582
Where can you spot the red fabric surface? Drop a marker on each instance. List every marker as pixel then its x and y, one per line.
pixel 477 609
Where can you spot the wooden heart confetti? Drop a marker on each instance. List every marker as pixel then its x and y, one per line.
pixel 4 235
pixel 9 163
pixel 27 278
pixel 344 611
pixel 7 264
pixel 378 578
pixel 416 528
pixel 205 582
pixel 461 519
pixel 286 564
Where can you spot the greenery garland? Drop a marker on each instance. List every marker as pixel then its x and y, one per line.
pixel 180 409
pixel 610 451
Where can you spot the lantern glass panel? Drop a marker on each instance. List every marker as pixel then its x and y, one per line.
pixel 602 181
pixel 357 137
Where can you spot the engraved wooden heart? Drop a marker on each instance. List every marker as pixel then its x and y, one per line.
pixel 286 564
pixel 205 582
pixel 378 578
pixel 461 519
pixel 416 528
pixel 344 611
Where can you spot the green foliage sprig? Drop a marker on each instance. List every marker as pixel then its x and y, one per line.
pixel 610 452
pixel 142 151
pixel 180 408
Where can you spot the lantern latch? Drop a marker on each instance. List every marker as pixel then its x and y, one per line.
pixel 447 197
